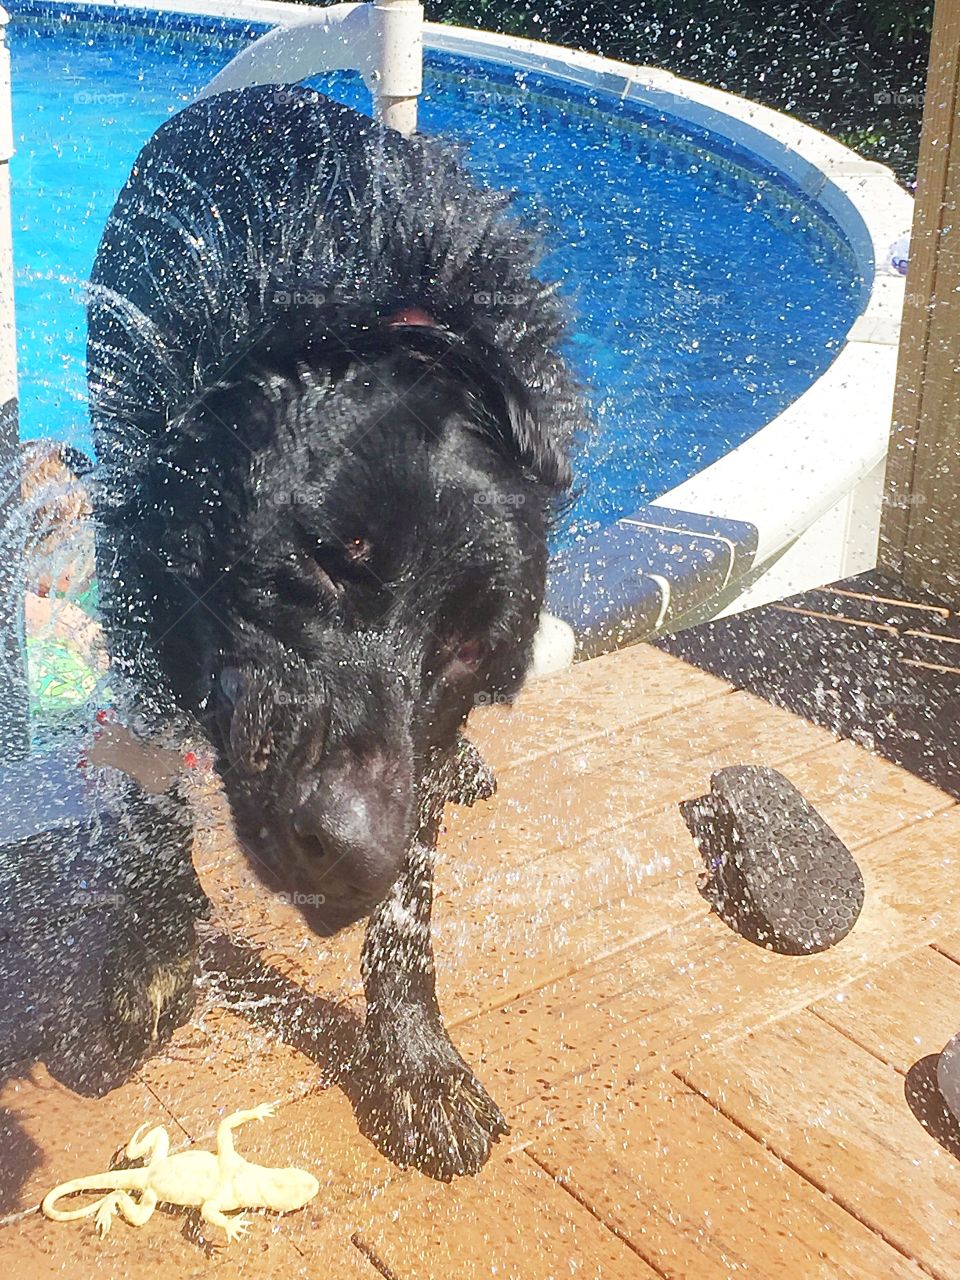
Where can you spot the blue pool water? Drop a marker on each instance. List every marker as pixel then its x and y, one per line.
pixel 707 294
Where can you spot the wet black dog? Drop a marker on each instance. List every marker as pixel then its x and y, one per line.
pixel 332 422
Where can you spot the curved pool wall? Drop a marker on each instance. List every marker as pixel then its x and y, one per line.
pixel 798 503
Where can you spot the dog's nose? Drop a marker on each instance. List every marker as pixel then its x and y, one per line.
pixel 358 824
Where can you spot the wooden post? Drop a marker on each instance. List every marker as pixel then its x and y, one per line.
pixel 920 529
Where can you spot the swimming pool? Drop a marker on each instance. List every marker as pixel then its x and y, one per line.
pixel 709 291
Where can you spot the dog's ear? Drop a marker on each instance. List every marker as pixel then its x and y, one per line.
pixel 506 400
pixel 243 721
pixel 505 409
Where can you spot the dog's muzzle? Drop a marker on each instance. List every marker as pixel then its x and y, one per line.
pixel 351 835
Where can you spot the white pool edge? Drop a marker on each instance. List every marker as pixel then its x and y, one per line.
pixel 809 476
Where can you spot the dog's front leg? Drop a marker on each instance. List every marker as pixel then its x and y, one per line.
pixel 417 1098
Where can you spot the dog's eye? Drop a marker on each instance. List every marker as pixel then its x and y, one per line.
pixel 469 653
pixel 459 658
pixel 333 565
pixel 357 550
pixel 341 557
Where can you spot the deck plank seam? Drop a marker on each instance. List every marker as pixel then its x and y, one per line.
pixel 835 1197
pixel 368 1252
pixel 855 1040
pixel 585 1202
pixel 848 1034
pixel 574 744
pixel 174 1119
pixel 947 955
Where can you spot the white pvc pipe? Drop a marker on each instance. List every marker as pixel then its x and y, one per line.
pixel 382 40
pixel 398 72
pixel 337 40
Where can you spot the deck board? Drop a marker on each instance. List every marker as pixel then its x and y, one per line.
pixel 694 981
pixel 866 657
pixel 697 1196
pixel 871 1011
pixel 167 1246
pixel 838 1115
pixel 585 794
pixel 619 691
pixel 512 1221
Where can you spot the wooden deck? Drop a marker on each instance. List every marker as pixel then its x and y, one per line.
pixel 683 1103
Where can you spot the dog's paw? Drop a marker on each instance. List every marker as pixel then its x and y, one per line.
pixel 423 1106
pixel 471 778
pixel 147 992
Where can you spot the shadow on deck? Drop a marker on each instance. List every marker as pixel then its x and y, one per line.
pixel 866 659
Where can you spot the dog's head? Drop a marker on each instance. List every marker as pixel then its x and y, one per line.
pixel 373 553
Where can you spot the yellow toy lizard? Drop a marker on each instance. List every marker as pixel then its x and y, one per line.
pixel 214 1183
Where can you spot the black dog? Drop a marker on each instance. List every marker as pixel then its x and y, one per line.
pixel 333 424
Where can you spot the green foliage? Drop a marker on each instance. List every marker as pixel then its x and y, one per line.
pixel 854 68
pixel 897 17
pixel 876 18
